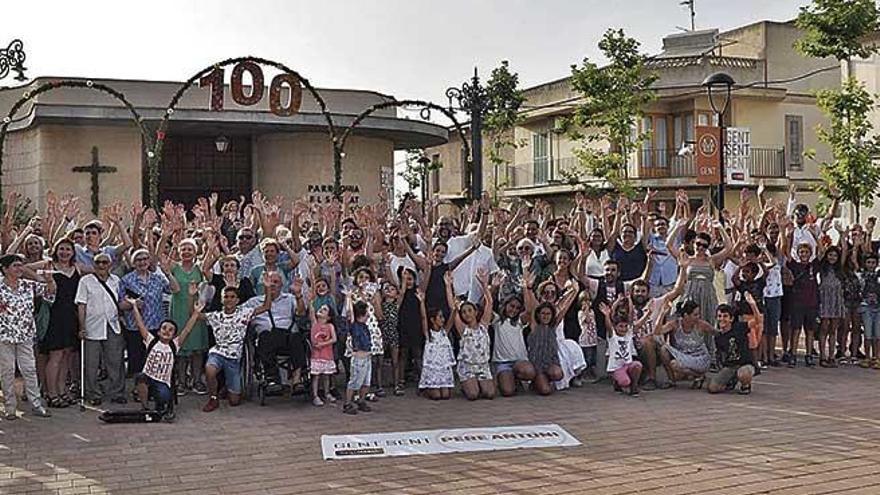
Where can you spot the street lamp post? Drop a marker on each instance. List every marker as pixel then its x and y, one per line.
pixel 473 98
pixel 717 82
pixel 424 162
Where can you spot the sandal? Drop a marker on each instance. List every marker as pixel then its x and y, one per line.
pixel 56 402
pixel 744 389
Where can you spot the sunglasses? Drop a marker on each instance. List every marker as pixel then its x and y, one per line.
pixel 245 236
pixel 102 262
pixel 702 245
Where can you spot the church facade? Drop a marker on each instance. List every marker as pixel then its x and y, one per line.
pixel 72 140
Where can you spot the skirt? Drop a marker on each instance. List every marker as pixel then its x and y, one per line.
pixel 322 367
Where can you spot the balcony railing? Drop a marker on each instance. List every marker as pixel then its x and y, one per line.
pixel 645 164
pixel 667 163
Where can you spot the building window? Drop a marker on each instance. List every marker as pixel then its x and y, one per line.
pixel 655 143
pixel 794 142
pixel 541 158
pixel 435 174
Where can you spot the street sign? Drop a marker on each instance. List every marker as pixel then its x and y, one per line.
pixel 737 154
pixel 708 154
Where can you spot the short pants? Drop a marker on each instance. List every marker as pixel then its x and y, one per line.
pixel 231 369
pixel 503 366
pixel 360 371
pixel 871 323
pixel 158 391
pixel 621 375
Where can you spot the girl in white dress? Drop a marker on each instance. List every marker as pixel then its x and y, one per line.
pixel 438 359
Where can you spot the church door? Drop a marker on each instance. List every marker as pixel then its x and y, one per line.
pixel 192 167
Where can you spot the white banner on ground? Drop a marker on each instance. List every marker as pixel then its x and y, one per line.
pixel 445 441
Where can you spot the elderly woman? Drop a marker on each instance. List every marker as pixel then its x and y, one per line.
pixel 146 285
pixel 192 352
pixel 18 331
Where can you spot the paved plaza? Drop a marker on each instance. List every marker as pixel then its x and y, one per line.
pixel 801 432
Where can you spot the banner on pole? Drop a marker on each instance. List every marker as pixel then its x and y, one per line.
pixel 737 154
pixel 445 441
pixel 708 155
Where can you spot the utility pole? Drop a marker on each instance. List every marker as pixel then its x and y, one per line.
pixel 690 4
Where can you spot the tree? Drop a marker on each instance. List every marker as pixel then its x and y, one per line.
pixel 837 28
pixel 417 169
pixel 614 97
pixel 504 99
pixel 852 175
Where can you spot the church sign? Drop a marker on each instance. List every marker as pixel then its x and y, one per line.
pixel 323 193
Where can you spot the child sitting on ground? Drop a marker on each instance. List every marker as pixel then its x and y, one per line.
pixel 155 379
pixel 624 370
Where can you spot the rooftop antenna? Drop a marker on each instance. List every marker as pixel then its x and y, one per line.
pixel 690 5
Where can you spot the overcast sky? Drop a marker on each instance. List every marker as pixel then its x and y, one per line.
pixel 406 48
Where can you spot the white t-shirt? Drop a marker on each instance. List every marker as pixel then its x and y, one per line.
pixel 397 262
pixel 465 274
pixel 510 345
pixel 229 331
pixel 160 361
pixel 620 350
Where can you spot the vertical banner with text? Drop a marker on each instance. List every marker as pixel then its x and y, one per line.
pixel 708 154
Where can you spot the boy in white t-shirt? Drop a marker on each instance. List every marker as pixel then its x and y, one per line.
pixel 155 379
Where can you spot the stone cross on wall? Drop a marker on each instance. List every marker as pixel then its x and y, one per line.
pixel 95 169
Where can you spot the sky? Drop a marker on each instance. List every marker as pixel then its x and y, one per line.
pixel 405 48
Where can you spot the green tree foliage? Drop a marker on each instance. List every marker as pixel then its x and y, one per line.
pixel 837 28
pixel 613 99
pixel 504 100
pixel 852 175
pixel 417 168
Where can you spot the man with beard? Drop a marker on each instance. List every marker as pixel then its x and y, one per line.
pixel 646 345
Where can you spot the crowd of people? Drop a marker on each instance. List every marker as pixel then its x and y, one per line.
pixel 484 299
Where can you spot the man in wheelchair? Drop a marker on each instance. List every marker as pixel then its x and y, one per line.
pixel 274 322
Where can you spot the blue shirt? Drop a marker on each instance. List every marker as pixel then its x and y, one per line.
pixel 360 337
pixel 87 258
pixel 664 271
pixel 150 290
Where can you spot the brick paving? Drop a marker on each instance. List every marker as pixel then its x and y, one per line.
pixel 801 432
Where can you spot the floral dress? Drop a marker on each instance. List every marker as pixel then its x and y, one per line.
pixel 437 362
pixel 473 357
pixel 831 304
pixel 390 335
pixel 689 350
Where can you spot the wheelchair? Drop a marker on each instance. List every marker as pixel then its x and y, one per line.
pixel 255 383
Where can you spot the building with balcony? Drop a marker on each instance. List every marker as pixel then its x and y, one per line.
pixel 773 99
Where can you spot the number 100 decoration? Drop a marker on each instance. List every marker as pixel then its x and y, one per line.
pixel 214 80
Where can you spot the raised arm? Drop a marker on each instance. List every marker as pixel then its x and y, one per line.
pixel 138 319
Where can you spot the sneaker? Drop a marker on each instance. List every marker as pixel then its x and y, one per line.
pixel 200 388
pixel 762 365
pixel 211 405
pixel 317 402
pixel 577 382
pixel 876 365
pixel 786 357
pixel 809 362
pixel 11 416
pixel 380 392
pixel 349 408
pixel 634 392
pixel 274 388
pixel 169 417
pixel 181 390
pixel 398 391
pixel 649 384
pixel 864 363
pixel 363 407
pixel 330 399
pixel 372 397
pixel 41 412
